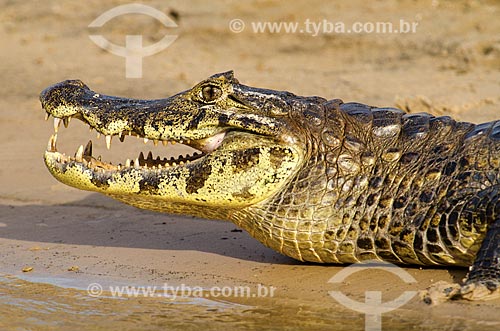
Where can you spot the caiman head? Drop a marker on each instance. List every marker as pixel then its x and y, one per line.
pixel 251 143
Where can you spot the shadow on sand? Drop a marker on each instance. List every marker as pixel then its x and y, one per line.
pixel 100 221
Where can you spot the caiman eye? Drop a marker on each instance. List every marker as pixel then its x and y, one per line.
pixel 210 93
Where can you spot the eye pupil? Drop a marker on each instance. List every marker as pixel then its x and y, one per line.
pixel 211 93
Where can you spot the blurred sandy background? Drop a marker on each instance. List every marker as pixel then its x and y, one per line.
pixel 450 66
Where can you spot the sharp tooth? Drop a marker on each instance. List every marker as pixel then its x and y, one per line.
pixel 158 158
pixel 51 146
pixel 150 156
pixel 108 142
pixel 99 158
pixel 127 163
pixel 155 142
pixel 79 154
pixel 173 142
pixel 181 141
pixel 136 163
pixel 164 142
pixel 52 143
pixel 146 140
pixel 188 141
pixel 88 149
pixel 58 159
pixel 57 123
pixel 120 166
pixel 141 156
pixel 66 121
pixel 98 135
pixel 47 115
pixel 121 136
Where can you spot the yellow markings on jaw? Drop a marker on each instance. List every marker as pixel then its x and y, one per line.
pixel 113 127
pixel 79 179
pixel 93 120
pixel 153 133
pixel 174 187
pixel 166 133
pixel 116 127
pixel 227 185
pixel 173 132
pixel 65 111
pixel 74 176
pixel 265 177
pixel 125 183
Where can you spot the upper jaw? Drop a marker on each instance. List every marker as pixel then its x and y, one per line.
pixel 174 119
pixel 177 118
pixel 115 116
pixel 161 120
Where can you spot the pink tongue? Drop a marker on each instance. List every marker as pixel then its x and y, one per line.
pixel 211 143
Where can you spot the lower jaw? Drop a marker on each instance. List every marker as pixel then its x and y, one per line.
pixel 83 156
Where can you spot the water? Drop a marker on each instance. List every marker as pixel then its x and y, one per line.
pixel 40 306
pixel 35 305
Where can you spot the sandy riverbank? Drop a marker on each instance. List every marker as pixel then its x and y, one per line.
pixel 449 66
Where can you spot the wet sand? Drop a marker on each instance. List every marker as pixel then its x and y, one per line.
pixel 448 67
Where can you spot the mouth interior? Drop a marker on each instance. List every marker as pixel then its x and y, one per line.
pixel 144 160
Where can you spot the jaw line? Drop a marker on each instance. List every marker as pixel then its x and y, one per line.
pixel 87 162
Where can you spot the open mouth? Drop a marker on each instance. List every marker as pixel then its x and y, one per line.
pixel 84 156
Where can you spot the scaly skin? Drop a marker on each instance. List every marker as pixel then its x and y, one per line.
pixel 317 180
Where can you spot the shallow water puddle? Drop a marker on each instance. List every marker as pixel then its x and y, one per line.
pixel 60 304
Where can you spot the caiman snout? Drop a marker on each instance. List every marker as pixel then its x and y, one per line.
pixel 66 93
pixel 159 119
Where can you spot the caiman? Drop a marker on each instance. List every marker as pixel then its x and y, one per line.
pixel 317 180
